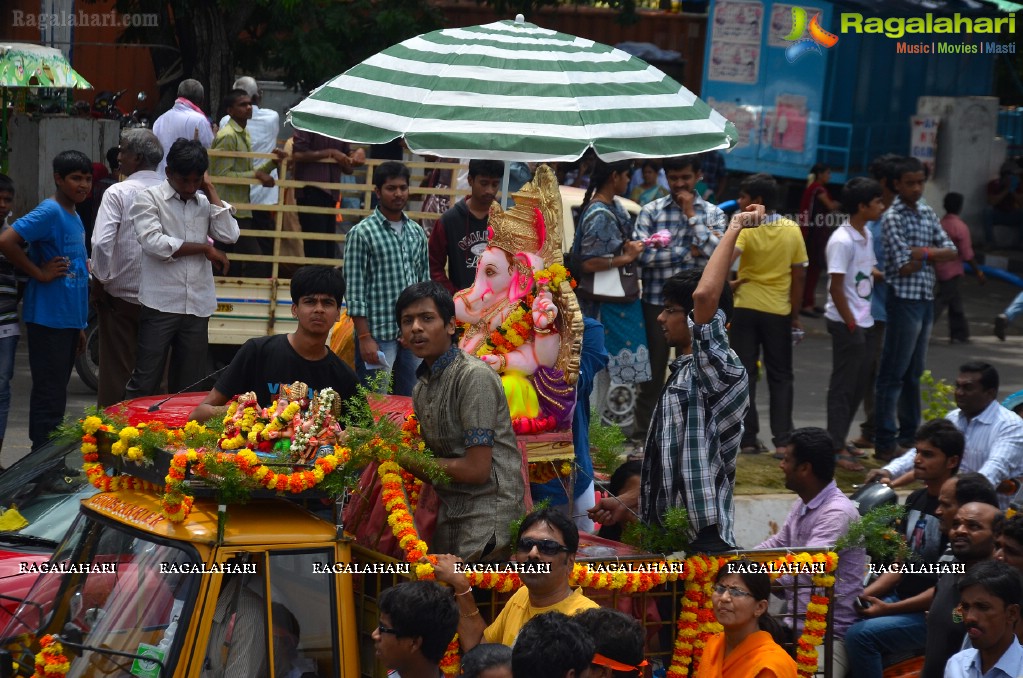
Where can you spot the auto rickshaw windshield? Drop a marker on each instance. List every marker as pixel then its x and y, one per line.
pixel 111 587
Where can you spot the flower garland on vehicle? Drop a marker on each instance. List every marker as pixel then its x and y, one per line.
pixel 51 662
pixel 95 471
pixel 696 621
pixel 176 500
pixel 412 435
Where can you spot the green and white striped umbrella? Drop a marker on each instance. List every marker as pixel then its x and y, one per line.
pixel 513 91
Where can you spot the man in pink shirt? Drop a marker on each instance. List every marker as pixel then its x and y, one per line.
pixel 950 273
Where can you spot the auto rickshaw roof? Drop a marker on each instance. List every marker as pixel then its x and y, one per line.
pixel 260 521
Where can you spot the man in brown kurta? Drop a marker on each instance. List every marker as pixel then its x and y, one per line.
pixel 464 416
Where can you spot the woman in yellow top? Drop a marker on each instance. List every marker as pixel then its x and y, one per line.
pixel 746 649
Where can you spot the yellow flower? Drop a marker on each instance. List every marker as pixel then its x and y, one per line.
pixel 128 432
pixel 91 424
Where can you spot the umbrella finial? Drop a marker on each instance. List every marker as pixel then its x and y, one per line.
pixel 520 19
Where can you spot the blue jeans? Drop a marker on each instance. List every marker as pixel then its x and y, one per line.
pixel 867 641
pixel 402 364
pixel 1015 308
pixel 898 375
pixel 8 346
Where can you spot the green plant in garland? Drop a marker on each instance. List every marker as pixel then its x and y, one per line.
pixel 876 533
pixel 606 445
pixel 372 437
pixel 665 539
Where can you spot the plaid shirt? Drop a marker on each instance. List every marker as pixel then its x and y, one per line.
pixel 379 264
pixel 694 435
pixel 903 227
pixel 659 264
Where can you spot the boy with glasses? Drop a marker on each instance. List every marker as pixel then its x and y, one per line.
pixel 417 621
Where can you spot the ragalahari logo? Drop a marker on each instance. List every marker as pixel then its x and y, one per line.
pixel 802 44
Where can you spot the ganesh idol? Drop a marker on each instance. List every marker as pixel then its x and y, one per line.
pixel 520 315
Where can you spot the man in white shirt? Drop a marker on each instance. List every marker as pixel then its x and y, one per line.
pixel 989 603
pixel 185 120
pixel 117 263
pixel 174 224
pixel 994 435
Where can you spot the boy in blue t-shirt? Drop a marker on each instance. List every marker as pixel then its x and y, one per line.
pixel 57 297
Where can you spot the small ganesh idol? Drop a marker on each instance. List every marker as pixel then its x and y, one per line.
pixel 520 315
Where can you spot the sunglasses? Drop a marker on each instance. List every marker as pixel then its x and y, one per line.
pixel 383 629
pixel 732 591
pixel 547 547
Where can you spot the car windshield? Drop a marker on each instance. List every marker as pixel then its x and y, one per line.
pixel 115 589
pixel 46 487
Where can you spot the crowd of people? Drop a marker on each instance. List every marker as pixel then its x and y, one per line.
pixel 660 283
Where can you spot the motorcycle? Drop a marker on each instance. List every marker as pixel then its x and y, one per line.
pixel 104 105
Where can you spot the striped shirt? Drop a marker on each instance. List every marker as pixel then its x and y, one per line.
pixel 10 278
pixel 994 444
pixel 116 253
pixel 237 645
pixel 379 264
pixel 660 263
pixel 903 227
pixel 694 434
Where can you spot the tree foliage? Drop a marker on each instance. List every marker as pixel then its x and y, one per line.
pixel 302 42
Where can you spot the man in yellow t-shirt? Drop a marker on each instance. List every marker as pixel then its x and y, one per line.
pixel 546 537
pixel 772 269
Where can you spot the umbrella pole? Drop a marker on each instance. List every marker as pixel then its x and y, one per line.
pixel 504 185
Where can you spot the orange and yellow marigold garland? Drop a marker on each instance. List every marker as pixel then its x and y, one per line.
pixel 176 502
pixel 50 660
pixel 696 621
pixel 94 470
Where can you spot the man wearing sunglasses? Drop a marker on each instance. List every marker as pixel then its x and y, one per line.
pixel 546 537
pixel 417 621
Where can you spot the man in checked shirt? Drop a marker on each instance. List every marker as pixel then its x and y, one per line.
pixel 689 459
pixel 695 226
pixel 913 242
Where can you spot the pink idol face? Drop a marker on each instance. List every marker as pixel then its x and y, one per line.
pixel 494 272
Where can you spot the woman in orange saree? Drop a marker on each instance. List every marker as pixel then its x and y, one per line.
pixel 746 649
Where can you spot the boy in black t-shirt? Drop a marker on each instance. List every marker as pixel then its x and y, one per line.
pixel 264 364
pixel 896 603
pixel 460 235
